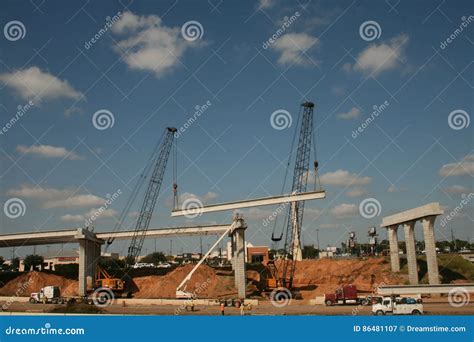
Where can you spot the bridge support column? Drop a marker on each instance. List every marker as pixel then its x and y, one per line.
pixel 411 252
pixel 89 253
pixel 430 248
pixel 393 242
pixel 238 259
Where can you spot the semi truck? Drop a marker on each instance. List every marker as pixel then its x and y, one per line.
pixel 346 294
pixel 398 306
pixel 47 294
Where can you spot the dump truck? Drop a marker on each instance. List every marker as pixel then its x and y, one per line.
pixel 398 306
pixel 346 294
pixel 47 294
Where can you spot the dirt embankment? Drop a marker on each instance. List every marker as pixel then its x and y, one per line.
pixel 29 282
pixel 204 283
pixel 313 277
pixel 329 274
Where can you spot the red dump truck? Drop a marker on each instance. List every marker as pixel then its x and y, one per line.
pixel 346 294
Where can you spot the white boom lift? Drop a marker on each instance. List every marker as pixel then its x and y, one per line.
pixel 181 292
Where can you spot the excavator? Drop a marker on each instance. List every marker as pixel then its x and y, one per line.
pixel 281 272
pixel 154 170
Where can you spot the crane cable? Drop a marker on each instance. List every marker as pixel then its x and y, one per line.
pixel 317 182
pixel 286 177
pixel 175 174
pixel 131 200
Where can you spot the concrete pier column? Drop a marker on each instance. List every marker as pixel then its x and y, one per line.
pixel 411 252
pixel 232 249
pixel 239 261
pixel 89 253
pixel 393 242
pixel 430 249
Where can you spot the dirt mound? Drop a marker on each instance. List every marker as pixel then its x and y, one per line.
pixel 329 274
pixel 204 283
pixel 29 282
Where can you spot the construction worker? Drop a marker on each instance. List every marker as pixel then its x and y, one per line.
pixel 222 308
pixel 242 309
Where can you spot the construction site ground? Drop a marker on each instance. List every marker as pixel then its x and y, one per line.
pixel 313 278
pixel 439 306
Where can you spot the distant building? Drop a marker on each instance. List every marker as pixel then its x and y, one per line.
pixel 252 253
pixel 68 256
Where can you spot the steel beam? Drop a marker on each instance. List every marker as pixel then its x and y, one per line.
pixel 258 202
pixel 390 290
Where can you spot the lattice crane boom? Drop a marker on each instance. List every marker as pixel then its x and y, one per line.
pixel 151 195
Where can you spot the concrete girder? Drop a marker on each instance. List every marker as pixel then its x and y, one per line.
pixel 250 203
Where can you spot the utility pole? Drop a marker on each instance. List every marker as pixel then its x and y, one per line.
pixel 317 237
pixel 155 245
pixel 171 247
pixel 200 243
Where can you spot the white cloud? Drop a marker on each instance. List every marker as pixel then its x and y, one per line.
pixel 68 112
pixel 457 189
pixel 344 178
pixel 465 167
pixel 344 210
pixel 292 46
pixel 378 58
pixel 91 213
pixel 84 200
pixel 32 83
pixel 48 151
pixel 57 198
pixel 265 4
pixel 72 218
pixel 149 45
pixel 356 192
pixel 353 113
pixel 392 188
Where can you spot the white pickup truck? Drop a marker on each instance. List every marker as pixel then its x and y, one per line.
pixel 397 306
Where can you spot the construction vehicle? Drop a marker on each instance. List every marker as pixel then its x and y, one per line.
pixel 104 280
pixel 158 161
pixel 397 306
pixel 47 294
pixel 281 272
pixel 345 295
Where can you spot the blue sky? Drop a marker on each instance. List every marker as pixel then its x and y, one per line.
pixel 148 74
